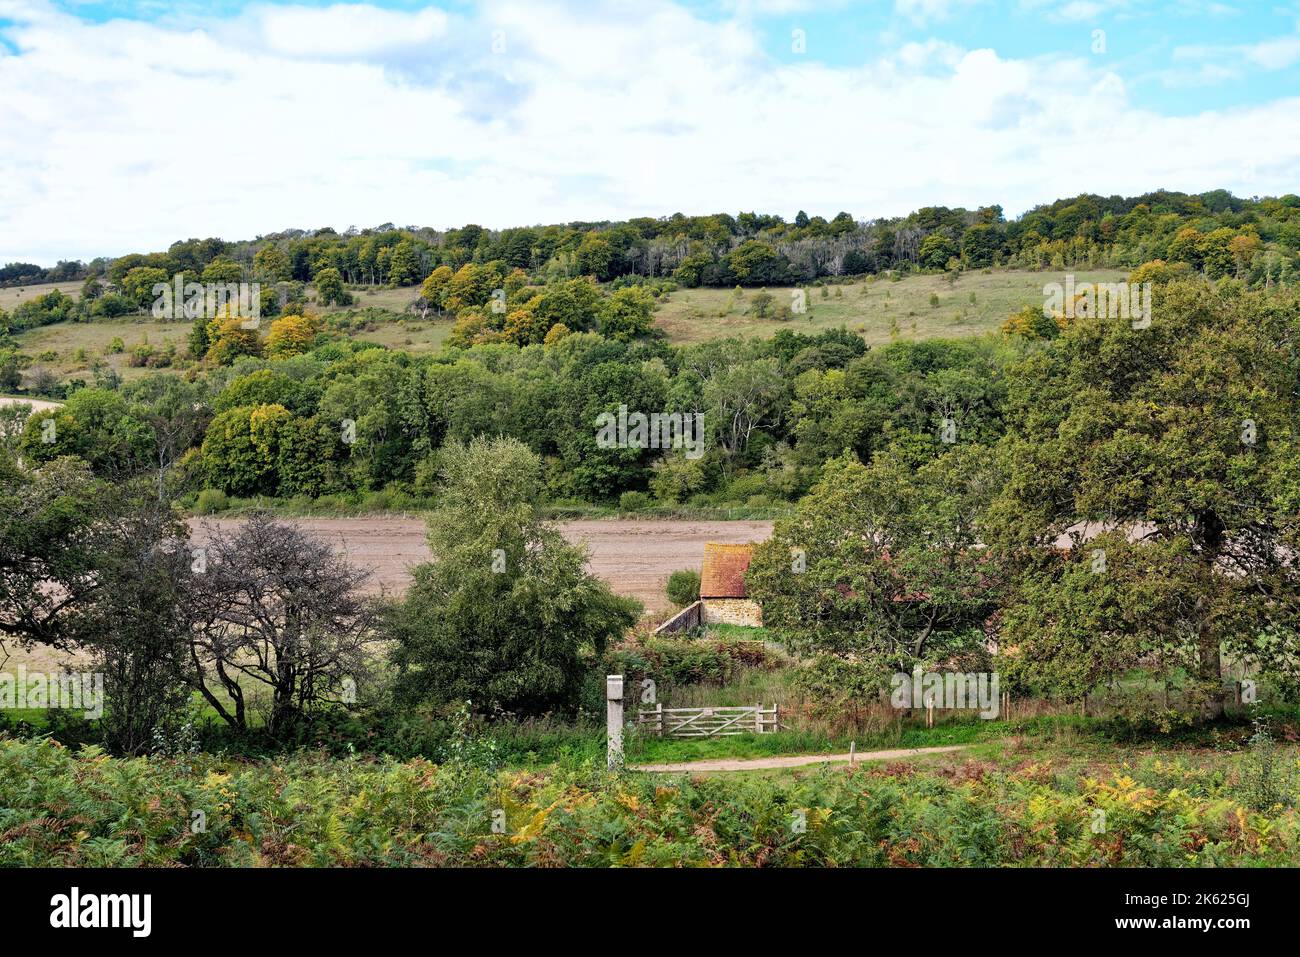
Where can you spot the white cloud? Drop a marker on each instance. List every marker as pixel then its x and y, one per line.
pixel 1090 9
pixel 342 30
pixel 128 136
pixel 931 53
pixel 1275 54
pixel 1278 53
pixel 926 11
pixel 1206 74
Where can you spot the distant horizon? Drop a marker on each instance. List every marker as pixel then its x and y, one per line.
pixel 788 219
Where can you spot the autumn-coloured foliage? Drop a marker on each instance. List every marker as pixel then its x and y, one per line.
pixel 86 809
pixel 292 335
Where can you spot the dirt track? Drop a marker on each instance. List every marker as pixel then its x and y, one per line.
pixel 38 405
pixel 635 557
pixel 793 761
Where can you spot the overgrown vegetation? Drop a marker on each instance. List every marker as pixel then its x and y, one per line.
pixel 61 808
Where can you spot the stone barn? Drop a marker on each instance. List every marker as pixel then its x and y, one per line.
pixel 723 594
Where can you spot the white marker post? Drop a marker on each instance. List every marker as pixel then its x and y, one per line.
pixel 614 720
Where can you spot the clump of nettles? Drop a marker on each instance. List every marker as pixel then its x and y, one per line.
pixel 1265 782
pixel 468 747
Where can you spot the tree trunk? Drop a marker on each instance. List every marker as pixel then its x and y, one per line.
pixel 1211 535
pixel 1211 661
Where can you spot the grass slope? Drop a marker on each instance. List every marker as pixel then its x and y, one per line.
pixel 11 296
pixel 879 310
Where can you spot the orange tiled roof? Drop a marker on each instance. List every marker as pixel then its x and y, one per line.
pixel 724 570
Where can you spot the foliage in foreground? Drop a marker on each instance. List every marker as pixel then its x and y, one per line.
pixel 83 809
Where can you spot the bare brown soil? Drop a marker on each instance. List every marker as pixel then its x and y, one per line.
pixel 635 557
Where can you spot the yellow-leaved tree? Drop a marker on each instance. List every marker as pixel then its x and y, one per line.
pixel 292 335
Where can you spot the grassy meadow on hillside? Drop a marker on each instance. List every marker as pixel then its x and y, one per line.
pixel 879 310
pixel 11 296
pixel 976 303
pixel 69 349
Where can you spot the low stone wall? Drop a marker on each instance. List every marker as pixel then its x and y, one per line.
pixel 684 620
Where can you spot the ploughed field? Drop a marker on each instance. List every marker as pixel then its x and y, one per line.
pixel 634 556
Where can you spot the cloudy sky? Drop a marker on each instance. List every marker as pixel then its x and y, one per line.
pixel 127 125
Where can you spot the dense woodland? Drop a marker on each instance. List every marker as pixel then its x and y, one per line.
pixel 554 325
pixel 1214 231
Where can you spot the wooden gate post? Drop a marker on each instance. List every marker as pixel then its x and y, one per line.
pixel 614 720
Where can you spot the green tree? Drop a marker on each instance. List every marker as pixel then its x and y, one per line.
pixel 627 313
pixel 263 387
pixel 55 526
pixel 329 287
pixel 506 612
pixel 272 265
pixel 197 342
pixel 97 425
pixel 1180 437
pixel 223 270
pixel 881 565
pixel 138 284
pixel 11 375
pixel 403 265
pixel 980 245
pixel 596 257
pixel 755 262
pixel 684 586
pixel 307 457
pixel 241 449
pixel 761 304
pixel 936 249
pixel 741 399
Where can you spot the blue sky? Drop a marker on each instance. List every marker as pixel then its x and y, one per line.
pixel 131 124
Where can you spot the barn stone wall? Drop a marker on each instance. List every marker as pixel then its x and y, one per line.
pixel 732 611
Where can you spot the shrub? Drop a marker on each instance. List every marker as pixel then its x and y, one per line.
pixel 211 501
pixel 684 586
pixel 633 501
pixel 676 478
pixel 681 661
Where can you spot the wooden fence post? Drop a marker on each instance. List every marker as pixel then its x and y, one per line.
pixel 614 720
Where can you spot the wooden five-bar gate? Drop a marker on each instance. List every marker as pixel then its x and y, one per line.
pixel 708 722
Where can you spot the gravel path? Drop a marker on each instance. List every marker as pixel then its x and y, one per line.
pixel 794 761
